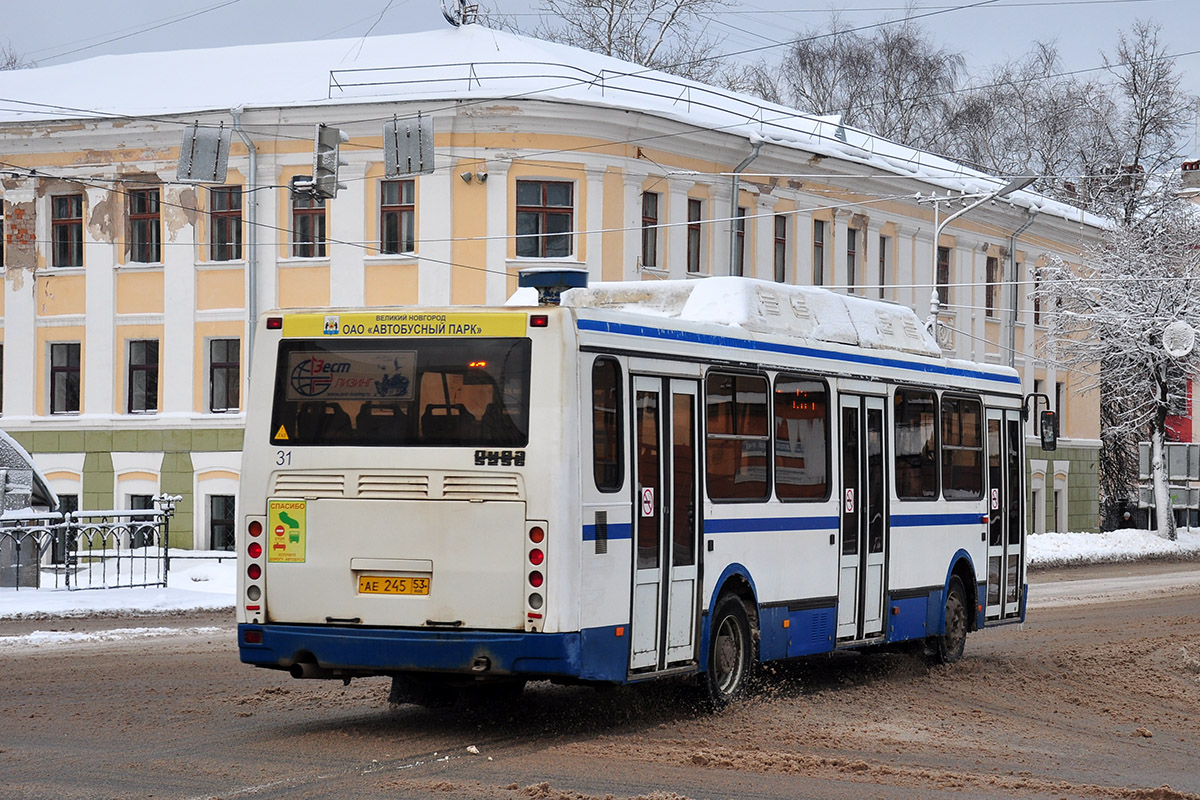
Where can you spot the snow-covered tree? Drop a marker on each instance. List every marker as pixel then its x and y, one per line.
pixel 1108 318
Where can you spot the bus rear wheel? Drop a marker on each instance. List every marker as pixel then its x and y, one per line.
pixel 730 653
pixel 948 648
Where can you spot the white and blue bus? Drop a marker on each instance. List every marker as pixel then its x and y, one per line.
pixel 638 481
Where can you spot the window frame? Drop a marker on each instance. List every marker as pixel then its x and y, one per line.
pixel 402 211
pixel 991 281
pixel 947 448
pixel 66 232
pixel 610 425
pixel 233 384
pixel 309 226
pixel 711 437
pixel 776 466
pixel 942 276
pixel 225 223
pixel 695 235
pixel 541 213
pixel 818 245
pixel 739 242
pixel 66 371
pixel 779 251
pixel 650 229
pixel 139 371
pixel 852 240
pixel 885 243
pixel 933 459
pixel 145 226
pixel 212 520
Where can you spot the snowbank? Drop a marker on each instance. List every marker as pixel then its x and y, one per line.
pixel 1062 549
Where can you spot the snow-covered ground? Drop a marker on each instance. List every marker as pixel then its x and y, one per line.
pixel 199 581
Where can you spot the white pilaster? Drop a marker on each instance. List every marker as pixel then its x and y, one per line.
pixel 20 324
pixel 760 258
pixel 434 232
pixel 675 257
pixel 595 221
pixel 496 249
pixel 347 278
pixel 631 252
pixel 177 353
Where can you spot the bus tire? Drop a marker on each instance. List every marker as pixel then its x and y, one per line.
pixel 948 647
pixel 730 653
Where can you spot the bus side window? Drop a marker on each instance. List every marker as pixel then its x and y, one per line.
pixel 606 424
pixel 916 444
pixel 737 434
pixel 962 448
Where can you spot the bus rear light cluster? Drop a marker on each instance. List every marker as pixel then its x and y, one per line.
pixel 255 554
pixel 536 532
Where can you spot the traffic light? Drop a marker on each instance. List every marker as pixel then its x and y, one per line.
pixel 326 161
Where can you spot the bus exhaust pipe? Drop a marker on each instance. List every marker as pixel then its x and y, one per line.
pixel 309 670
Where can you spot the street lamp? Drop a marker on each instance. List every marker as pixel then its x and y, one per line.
pixel 1016 184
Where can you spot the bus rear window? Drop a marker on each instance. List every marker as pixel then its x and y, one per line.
pixel 415 392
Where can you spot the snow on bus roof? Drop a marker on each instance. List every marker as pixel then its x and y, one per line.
pixel 801 312
pixel 470 63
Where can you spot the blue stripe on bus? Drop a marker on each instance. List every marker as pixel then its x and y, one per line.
pixel 933 520
pixel 616 530
pixel 796 350
pixel 770 524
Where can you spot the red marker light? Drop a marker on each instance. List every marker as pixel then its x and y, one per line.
pixel 536 579
pixel 539 321
pixel 536 557
pixel 274 323
pixel 254 550
pixel 536 534
pixel 255 528
pixel 254 572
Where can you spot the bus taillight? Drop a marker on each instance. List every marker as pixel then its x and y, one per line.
pixel 254 529
pixel 254 572
pixel 536 557
pixel 254 550
pixel 536 579
pixel 537 534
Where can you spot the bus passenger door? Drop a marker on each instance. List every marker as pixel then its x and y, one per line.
pixel 862 578
pixel 666 533
pixel 1005 513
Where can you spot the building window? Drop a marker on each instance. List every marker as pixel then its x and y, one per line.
pixel 143 376
pixel 67 504
pixel 990 290
pixel 224 374
pixel 943 276
pixel 650 229
pixel 818 278
pixel 225 223
pixel 885 247
pixel 222 509
pixel 66 230
pixel 308 226
pixel 398 217
pixel 64 378
pixel 606 425
pixel 143 535
pixel 739 243
pixel 781 222
pixel 1060 404
pixel 1037 296
pixel 737 430
pixel 695 214
pixel 145 232
pixel 544 218
pixel 851 259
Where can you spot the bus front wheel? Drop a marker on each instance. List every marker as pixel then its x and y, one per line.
pixel 730 652
pixel 948 648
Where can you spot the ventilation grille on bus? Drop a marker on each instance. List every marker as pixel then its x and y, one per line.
pixel 310 484
pixel 481 487
pixel 384 486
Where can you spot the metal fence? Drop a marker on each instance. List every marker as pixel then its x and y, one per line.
pixel 87 549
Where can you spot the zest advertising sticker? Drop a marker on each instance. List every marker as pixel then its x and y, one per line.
pixel 399 325
pixel 286 522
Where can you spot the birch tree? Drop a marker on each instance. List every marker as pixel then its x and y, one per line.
pixel 1108 319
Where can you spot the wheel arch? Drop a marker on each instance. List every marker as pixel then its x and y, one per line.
pixel 735 579
pixel 963 568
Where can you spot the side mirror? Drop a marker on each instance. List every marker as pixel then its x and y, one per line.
pixel 1048 430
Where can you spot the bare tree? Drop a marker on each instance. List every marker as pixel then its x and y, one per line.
pixel 895 82
pixel 11 59
pixel 1108 320
pixel 669 35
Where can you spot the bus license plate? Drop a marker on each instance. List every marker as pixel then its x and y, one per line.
pixel 380 584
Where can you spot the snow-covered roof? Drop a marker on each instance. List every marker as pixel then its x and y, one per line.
pixel 802 312
pixel 470 62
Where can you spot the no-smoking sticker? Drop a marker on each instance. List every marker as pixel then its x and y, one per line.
pixel 647 501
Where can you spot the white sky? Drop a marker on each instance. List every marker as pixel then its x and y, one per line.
pixel 986 32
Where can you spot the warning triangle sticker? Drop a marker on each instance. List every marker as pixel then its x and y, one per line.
pixel 282 434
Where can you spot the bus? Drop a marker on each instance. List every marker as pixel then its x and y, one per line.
pixel 621 482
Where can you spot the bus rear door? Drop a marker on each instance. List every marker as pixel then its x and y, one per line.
pixel 1005 514
pixel 862 577
pixel 666 550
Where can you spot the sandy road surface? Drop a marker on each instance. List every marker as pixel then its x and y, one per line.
pixel 1092 700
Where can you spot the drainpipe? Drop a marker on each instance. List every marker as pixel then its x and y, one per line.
pixel 1012 271
pixel 756 143
pixel 251 234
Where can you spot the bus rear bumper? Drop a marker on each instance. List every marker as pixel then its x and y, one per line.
pixel 593 654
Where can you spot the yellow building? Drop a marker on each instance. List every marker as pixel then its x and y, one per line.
pixel 128 293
